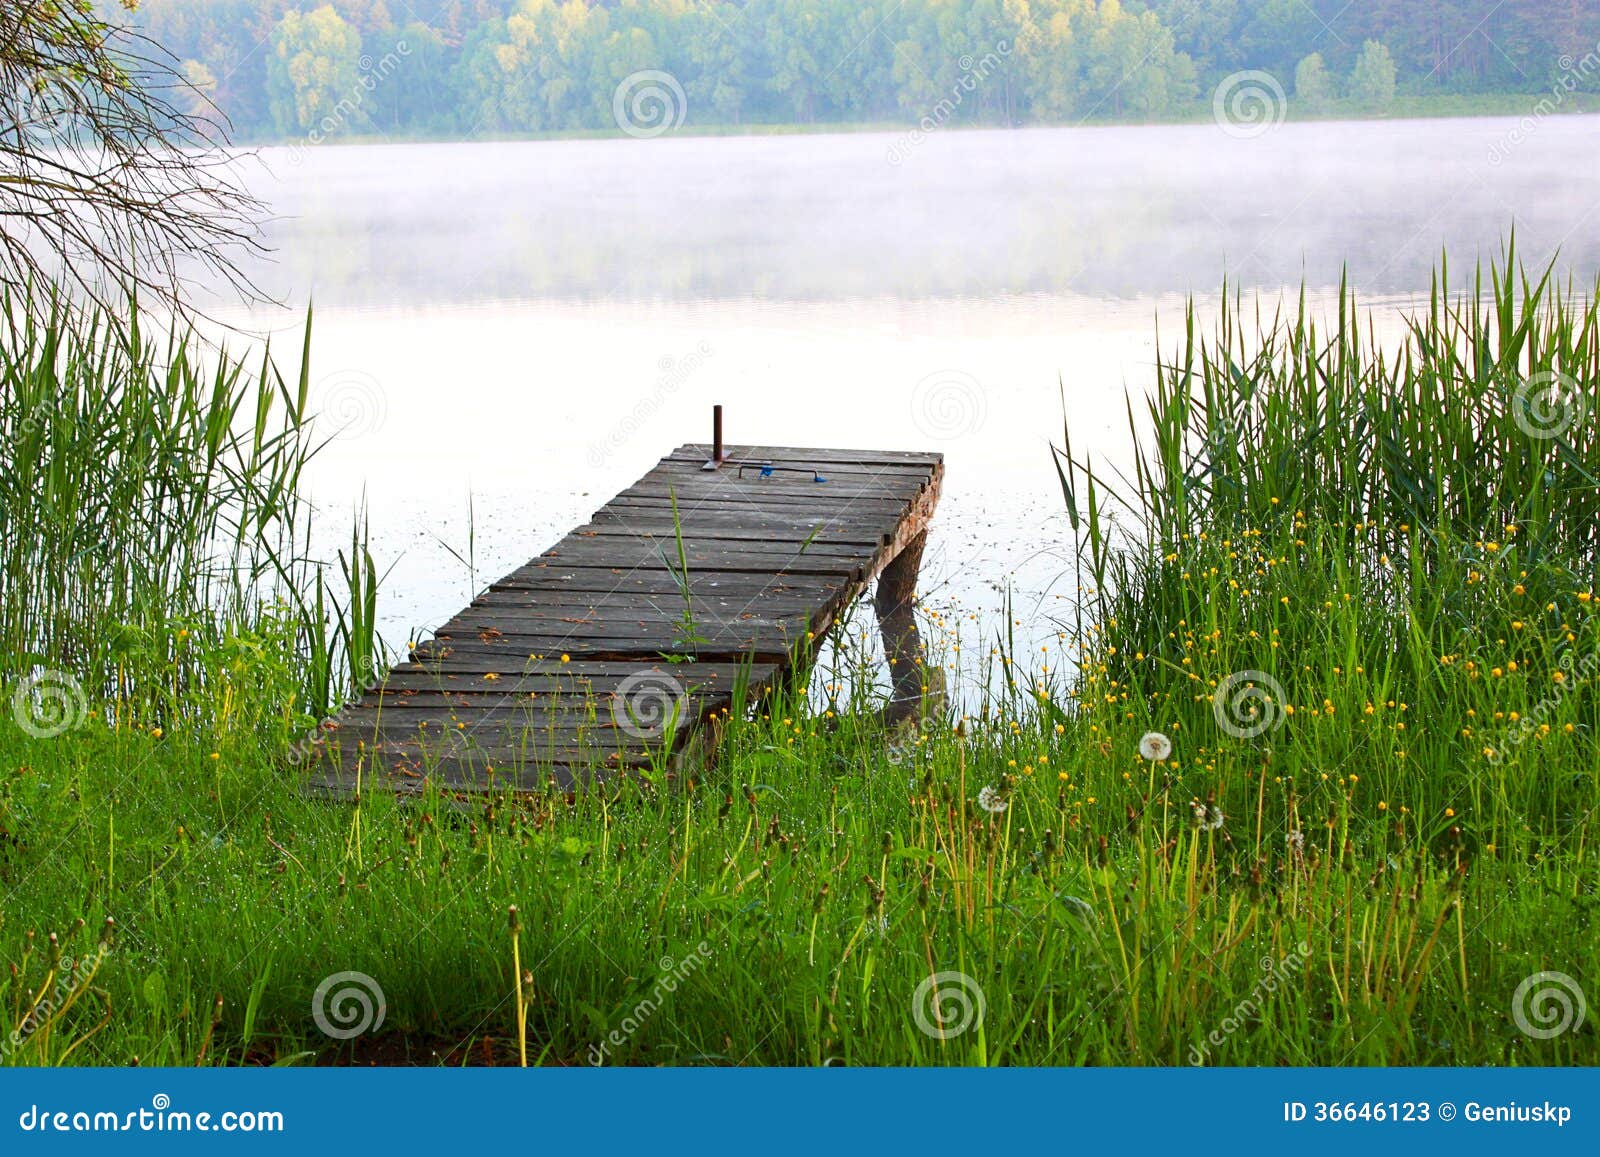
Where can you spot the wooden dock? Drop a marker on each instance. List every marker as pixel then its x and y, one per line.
pixel 609 651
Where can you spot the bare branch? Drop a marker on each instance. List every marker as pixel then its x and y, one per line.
pixel 115 172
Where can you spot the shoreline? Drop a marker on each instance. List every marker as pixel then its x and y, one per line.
pixel 1404 109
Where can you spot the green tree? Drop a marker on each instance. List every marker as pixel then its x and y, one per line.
pixel 314 76
pixel 1372 81
pixel 1313 84
pixel 419 98
pixel 1052 58
pixel 1133 66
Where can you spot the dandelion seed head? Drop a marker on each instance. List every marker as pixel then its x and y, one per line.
pixel 1155 746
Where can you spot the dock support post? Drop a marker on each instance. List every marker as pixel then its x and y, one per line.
pixel 717 455
pixel 894 603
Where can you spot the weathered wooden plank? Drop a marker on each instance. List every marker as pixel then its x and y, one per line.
pixel 772 563
pixel 685 481
pixel 769 563
pixel 923 459
pixel 734 524
pixel 656 583
pixel 822 503
pixel 615 620
pixel 466 672
pixel 619 548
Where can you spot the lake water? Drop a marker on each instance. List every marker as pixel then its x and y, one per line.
pixel 519 330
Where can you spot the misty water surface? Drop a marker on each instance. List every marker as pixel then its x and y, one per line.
pixel 529 326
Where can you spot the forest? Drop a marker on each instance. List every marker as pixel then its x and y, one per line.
pixel 291 70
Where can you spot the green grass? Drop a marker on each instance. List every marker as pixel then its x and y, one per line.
pixel 1362 869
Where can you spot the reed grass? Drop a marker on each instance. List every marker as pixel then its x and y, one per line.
pixel 151 518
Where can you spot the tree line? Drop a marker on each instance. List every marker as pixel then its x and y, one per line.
pixel 317 69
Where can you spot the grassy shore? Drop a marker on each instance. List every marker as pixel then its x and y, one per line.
pixel 1404 107
pixel 1314 784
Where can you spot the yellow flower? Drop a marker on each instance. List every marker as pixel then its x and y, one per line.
pixel 566 658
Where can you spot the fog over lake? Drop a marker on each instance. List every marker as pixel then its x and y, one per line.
pixel 533 324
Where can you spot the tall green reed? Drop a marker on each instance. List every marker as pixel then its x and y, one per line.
pixel 151 517
pixel 1481 416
